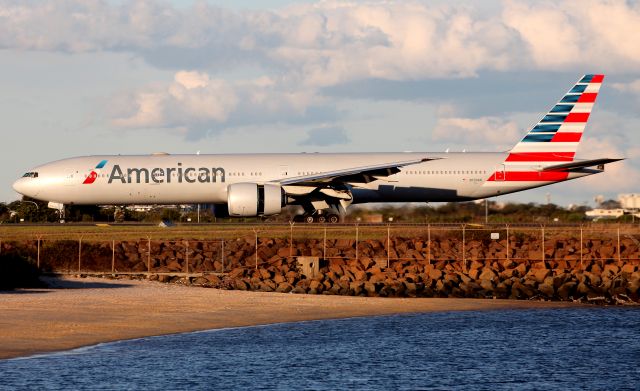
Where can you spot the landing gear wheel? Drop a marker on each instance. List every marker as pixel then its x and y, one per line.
pixel 321 219
pixel 333 219
pixel 308 219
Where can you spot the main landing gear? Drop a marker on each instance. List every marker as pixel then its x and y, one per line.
pixel 319 216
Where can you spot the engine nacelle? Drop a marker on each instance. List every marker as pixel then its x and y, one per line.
pixel 252 199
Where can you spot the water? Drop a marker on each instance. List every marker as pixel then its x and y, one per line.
pixel 578 348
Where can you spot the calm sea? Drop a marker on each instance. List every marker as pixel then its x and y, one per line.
pixel 579 348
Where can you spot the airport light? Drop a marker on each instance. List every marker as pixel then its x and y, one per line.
pixel 31 202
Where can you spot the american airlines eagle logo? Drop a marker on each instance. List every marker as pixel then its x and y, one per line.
pixel 94 173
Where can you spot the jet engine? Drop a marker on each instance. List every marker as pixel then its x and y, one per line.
pixel 252 199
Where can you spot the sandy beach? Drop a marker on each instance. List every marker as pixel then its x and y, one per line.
pixel 78 312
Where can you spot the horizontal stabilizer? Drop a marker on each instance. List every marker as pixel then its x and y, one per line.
pixel 579 164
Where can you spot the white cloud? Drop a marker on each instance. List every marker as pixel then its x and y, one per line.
pixel 551 39
pixel 491 132
pixel 632 87
pixel 191 80
pixel 330 42
pixel 618 177
pixel 297 51
pixel 196 104
pixel 192 98
pixel 325 136
pixel 147 110
pixel 600 33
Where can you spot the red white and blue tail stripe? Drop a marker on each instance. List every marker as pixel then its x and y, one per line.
pixel 555 138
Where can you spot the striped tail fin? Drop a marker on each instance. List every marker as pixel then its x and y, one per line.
pixel 556 137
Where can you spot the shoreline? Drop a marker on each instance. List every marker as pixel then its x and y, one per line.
pixel 80 312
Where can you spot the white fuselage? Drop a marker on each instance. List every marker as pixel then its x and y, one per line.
pixel 181 179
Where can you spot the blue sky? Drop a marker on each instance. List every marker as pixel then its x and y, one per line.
pixel 86 77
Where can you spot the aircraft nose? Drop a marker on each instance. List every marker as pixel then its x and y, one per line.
pixel 25 186
pixel 18 186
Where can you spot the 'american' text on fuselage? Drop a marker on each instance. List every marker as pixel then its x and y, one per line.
pixel 164 175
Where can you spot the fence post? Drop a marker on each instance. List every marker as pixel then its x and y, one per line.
pixel 580 245
pixel 464 258
pixel 256 232
pixel 186 253
pixel 324 243
pixel 223 255
pixel 38 261
pixel 429 244
pixel 79 254
pixel 508 255
pixel 291 223
pixel 388 243
pixel 149 254
pixel 357 234
pixel 113 256
pixel 619 255
pixel 542 229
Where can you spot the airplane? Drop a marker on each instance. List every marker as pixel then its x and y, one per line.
pixel 326 184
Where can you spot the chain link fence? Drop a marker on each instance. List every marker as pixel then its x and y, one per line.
pixel 221 250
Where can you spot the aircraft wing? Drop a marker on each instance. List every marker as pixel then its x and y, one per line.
pixel 364 174
pixel 578 164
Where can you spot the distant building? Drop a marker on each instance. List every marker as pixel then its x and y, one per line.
pixel 629 201
pixel 598 214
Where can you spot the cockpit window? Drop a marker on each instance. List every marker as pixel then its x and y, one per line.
pixel 30 175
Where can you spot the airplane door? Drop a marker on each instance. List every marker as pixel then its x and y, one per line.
pixel 499 173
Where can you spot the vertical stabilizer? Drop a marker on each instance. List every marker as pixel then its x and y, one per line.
pixel 556 137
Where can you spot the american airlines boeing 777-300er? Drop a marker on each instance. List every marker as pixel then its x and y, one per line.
pixel 325 184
